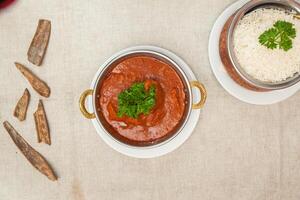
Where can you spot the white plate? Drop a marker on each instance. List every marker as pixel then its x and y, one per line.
pixel 239 92
pixel 159 150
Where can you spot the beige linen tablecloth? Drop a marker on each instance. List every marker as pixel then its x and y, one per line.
pixel 237 151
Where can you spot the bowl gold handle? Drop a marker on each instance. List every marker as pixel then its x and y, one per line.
pixel 82 107
pixel 203 93
pixel 297 16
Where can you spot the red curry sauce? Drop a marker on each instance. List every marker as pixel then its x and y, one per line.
pixel 170 98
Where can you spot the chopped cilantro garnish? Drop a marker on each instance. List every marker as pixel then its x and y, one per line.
pixel 136 100
pixel 280 35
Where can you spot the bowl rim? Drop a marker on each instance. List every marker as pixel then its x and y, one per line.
pixel 106 65
pixel 230 46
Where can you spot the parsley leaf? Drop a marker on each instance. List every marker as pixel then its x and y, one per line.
pixel 279 36
pixel 136 100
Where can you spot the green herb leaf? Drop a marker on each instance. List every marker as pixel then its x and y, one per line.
pixel 136 100
pixel 279 36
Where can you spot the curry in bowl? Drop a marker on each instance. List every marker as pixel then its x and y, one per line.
pixel 143 99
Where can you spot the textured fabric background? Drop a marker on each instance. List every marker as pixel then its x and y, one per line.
pixel 237 151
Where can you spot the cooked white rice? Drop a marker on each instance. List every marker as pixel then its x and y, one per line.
pixel 257 60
